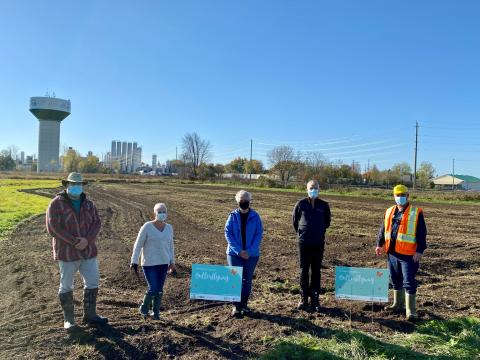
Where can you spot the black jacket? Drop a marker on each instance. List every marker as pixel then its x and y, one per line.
pixel 311 222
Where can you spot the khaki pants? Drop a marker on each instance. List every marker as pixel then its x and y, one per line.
pixel 88 269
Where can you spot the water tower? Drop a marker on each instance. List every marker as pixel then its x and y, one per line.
pixel 50 111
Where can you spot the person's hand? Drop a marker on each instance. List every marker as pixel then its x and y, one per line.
pixel 378 250
pixel 172 269
pixel 244 254
pixel 82 244
pixel 417 256
pixel 134 267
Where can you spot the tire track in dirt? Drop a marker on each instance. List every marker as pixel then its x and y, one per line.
pixel 30 316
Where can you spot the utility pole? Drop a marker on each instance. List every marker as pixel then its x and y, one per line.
pixel 251 155
pixel 176 154
pixel 184 167
pixel 415 162
pixel 453 175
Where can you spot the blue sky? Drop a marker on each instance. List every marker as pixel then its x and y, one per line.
pixel 347 78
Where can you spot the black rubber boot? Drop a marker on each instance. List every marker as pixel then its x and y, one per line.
pixel 66 300
pixel 157 301
pixel 146 304
pixel 90 308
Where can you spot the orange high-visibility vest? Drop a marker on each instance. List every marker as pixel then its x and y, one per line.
pixel 406 242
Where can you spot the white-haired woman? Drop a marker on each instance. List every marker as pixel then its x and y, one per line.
pixel 243 231
pixel 155 243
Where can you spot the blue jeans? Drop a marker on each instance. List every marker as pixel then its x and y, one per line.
pixel 402 272
pixel 247 273
pixel 155 276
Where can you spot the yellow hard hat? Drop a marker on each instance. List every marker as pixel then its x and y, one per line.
pixel 400 189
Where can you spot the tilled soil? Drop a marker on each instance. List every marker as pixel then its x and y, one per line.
pixel 31 318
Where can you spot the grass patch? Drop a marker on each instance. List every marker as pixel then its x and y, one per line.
pixel 456 338
pixel 282 286
pixel 453 339
pixel 16 206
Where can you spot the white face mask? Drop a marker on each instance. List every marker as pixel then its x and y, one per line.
pixel 161 216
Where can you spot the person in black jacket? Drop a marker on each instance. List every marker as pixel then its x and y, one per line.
pixel 311 218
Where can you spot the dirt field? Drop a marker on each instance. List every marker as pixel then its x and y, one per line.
pixel 31 319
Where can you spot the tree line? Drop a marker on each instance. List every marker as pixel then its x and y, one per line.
pixel 287 167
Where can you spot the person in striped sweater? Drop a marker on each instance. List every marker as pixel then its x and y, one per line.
pixel 73 222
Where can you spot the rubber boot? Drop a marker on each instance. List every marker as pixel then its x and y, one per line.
pixel 146 304
pixel 157 301
pixel 315 302
pixel 411 311
pixel 66 300
pixel 303 304
pixel 398 301
pixel 90 308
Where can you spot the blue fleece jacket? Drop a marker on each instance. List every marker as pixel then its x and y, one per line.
pixel 233 233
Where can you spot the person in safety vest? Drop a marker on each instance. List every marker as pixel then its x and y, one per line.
pixel 402 237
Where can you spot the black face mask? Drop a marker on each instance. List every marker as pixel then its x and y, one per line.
pixel 244 205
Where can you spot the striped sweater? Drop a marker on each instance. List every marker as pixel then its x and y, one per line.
pixel 65 225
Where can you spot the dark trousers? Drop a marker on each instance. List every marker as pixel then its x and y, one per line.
pixel 247 273
pixel 402 272
pixel 311 257
pixel 155 276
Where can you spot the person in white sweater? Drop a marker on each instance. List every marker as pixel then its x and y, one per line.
pixel 155 244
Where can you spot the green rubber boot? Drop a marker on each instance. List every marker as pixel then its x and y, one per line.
pixel 146 304
pixel 157 301
pixel 90 315
pixel 66 300
pixel 411 310
pixel 398 301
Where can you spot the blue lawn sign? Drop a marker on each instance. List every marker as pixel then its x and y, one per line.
pixel 365 284
pixel 216 282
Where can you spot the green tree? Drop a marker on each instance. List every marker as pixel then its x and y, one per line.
pixel 425 173
pixel 402 169
pixel 375 176
pixel 237 165
pixel 206 171
pixel 71 160
pixel 90 164
pixel 219 169
pixel 254 167
pixel 6 161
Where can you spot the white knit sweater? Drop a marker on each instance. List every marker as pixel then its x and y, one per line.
pixel 155 246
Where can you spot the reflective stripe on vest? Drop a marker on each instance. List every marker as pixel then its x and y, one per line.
pixel 406 242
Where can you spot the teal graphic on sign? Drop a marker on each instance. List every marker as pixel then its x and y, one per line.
pixel 216 282
pixel 366 284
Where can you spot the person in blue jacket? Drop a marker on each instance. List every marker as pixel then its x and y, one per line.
pixel 243 231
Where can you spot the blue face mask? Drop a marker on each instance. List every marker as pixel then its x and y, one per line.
pixel 75 190
pixel 313 193
pixel 401 200
pixel 161 216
